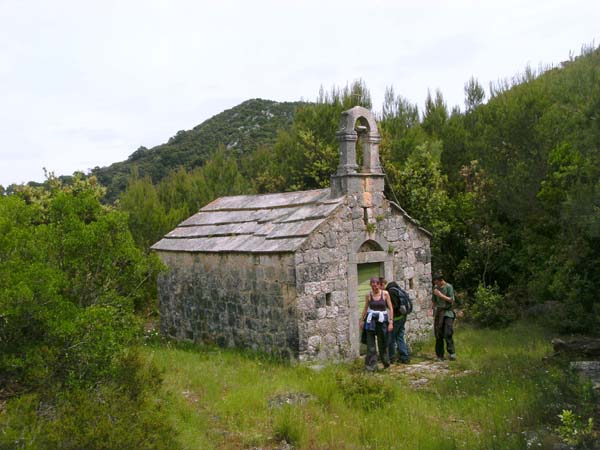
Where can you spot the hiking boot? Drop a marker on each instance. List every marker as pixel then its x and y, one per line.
pixel 439 359
pixel 453 357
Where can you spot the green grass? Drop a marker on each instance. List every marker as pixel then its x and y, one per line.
pixel 227 399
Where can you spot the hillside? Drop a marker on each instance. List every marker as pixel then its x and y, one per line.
pixel 241 130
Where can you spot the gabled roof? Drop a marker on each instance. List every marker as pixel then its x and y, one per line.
pixel 268 223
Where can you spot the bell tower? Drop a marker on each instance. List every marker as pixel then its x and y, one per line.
pixel 367 181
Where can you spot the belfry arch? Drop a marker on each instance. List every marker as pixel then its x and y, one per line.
pixel 349 178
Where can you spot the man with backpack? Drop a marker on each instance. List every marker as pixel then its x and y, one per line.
pixel 402 307
pixel 443 320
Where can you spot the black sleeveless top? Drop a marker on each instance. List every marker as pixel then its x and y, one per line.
pixel 377 305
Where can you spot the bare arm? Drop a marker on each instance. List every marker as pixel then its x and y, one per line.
pixel 363 315
pixel 388 300
pixel 438 294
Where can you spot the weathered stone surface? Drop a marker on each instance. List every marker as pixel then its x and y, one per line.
pixel 290 398
pixel 577 346
pixel 196 305
pixel 340 290
pixel 589 369
pixel 265 201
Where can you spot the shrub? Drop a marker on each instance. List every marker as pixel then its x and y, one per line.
pixel 70 279
pixel 490 308
pixel 117 414
pixel 573 430
pixel 92 419
pixel 366 392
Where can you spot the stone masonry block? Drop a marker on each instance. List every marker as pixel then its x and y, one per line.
pixel 332 311
pixel 340 284
pixel 314 342
pixel 311 257
pixel 320 301
pixel 331 239
pixel 318 241
pixel 358 225
pixel 392 235
pixel 411 258
pixel 327 286
pixel 312 288
pixel 298 258
pixel 416 243
pixel 337 298
pixel 325 256
pixel 419 268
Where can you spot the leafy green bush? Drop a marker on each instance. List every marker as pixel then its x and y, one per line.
pixel 71 279
pixel 365 392
pixel 490 308
pixel 573 430
pixel 99 418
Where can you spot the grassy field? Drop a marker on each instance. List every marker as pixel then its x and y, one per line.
pixel 500 394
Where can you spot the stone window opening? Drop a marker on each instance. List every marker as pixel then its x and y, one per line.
pixel 328 299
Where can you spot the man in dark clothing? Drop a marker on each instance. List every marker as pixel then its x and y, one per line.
pixel 443 321
pixel 398 350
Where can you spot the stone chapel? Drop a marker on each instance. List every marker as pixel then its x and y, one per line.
pixel 286 273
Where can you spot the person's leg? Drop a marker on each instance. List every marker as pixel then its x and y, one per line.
pixel 438 324
pixel 399 329
pixel 393 342
pixel 448 336
pixel 371 356
pixel 382 343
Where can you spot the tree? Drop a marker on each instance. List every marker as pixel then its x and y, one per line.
pixel 435 114
pixel 146 215
pixel 474 94
pixel 400 129
pixel 67 265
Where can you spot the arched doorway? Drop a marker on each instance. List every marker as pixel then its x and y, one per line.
pixel 365 272
pixel 369 259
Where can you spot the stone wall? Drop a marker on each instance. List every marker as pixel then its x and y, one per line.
pixel 326 274
pixel 233 300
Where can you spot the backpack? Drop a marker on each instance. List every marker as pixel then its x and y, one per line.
pixel 400 299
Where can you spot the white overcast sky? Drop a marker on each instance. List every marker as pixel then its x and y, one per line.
pixel 84 83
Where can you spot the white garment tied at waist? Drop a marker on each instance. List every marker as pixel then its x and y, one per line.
pixel 382 315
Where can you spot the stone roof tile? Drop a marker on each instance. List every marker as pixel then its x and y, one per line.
pixel 270 223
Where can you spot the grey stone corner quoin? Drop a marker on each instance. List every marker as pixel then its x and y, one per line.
pixel 280 272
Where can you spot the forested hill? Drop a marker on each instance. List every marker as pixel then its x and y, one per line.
pixel 242 129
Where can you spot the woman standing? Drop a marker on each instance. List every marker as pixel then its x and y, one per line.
pixel 375 319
